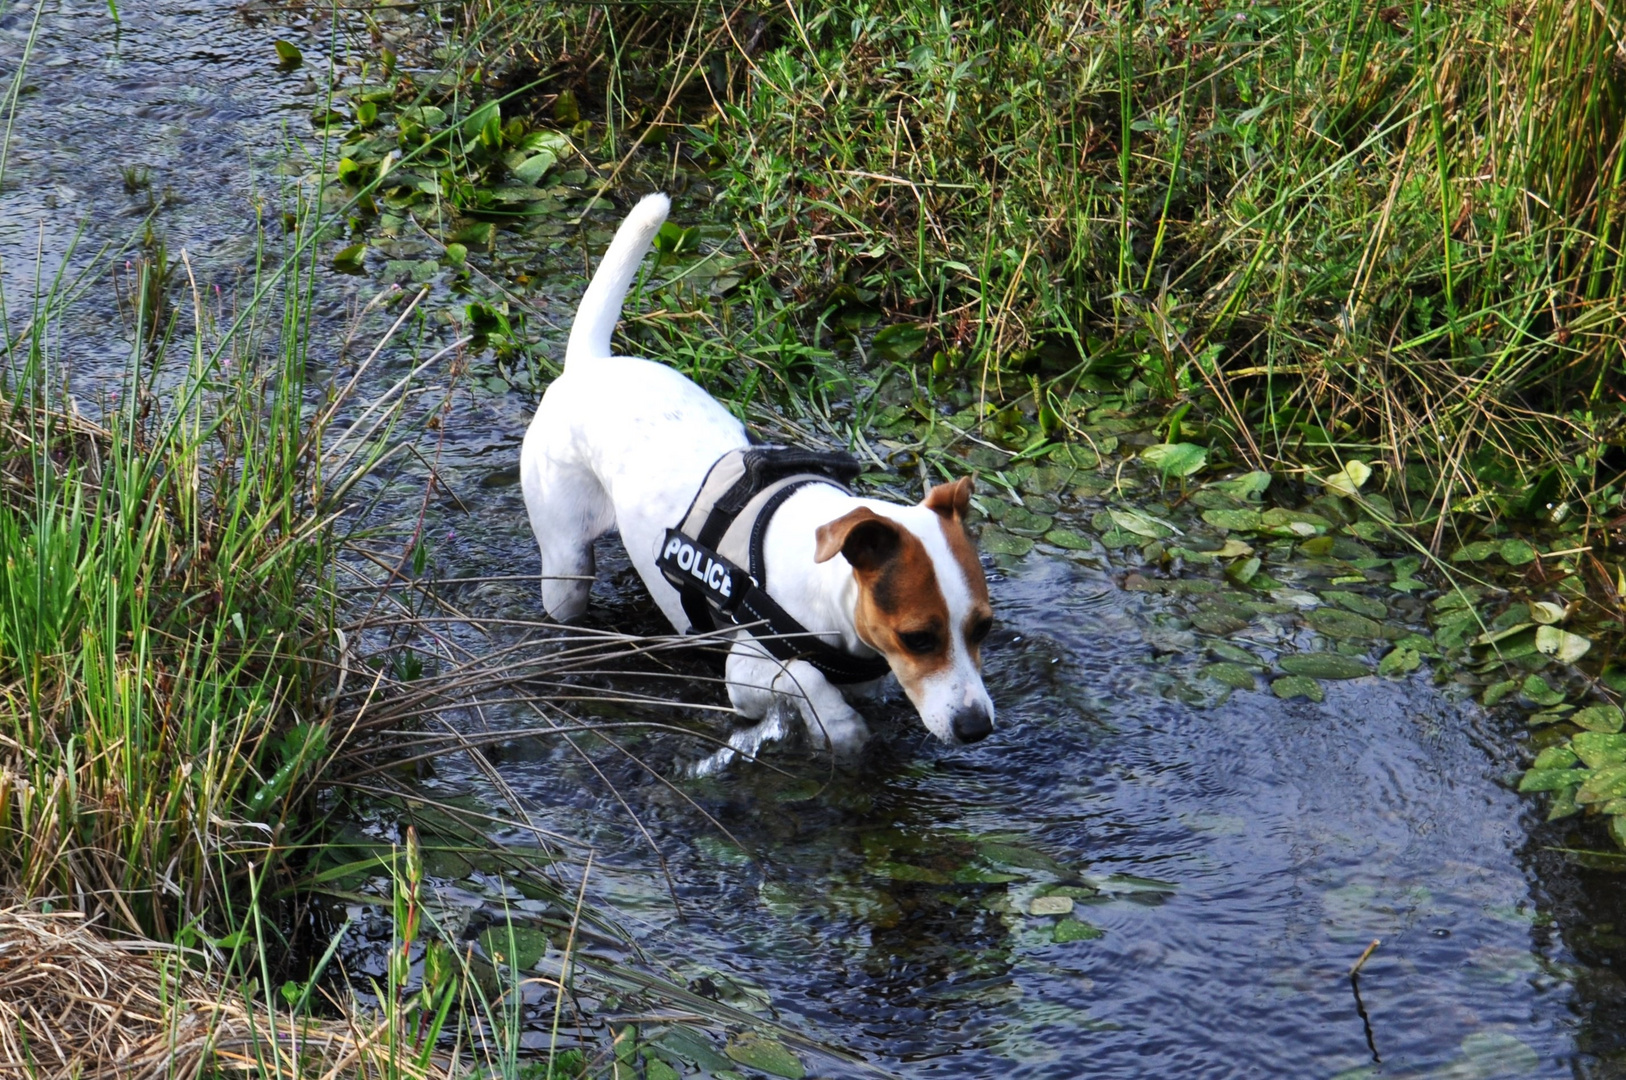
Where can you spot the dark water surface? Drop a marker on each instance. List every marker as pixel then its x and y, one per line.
pixel 1235 855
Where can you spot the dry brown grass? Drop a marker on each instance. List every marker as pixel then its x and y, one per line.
pixel 77 1004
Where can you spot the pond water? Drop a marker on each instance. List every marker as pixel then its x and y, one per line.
pixel 1224 859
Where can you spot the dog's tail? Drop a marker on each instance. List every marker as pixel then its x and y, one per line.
pixel 600 308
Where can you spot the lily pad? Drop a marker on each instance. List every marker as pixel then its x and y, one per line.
pixel 349 260
pixel 1000 542
pixel 1234 520
pixel 765 1054
pixel 1359 603
pixel 1218 623
pixel 1517 552
pixel 288 53
pixel 1343 624
pixel 1324 666
pixel 1350 479
pixel 1025 522
pixel 1551 779
pixel 1134 521
pixel 1597 749
pixel 1068 539
pixel 1567 647
pixel 1399 661
pixel 1175 459
pixel 1497 691
pixel 1605 718
pixel 1478 551
pixel 1231 674
pixel 1603 785
pixel 1537 690
pixel 521 952
pixel 1546 612
pixel 1555 757
pixel 1247 486
pixel 1075 930
pixel 531 169
pixel 1291 686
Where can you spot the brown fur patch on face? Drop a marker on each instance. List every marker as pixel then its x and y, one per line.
pixel 899 603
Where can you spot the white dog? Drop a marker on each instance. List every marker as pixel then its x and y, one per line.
pixel 631 444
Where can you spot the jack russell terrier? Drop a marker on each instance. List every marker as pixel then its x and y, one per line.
pixel 709 521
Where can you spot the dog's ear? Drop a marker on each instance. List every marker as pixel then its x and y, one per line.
pixel 950 500
pixel 866 539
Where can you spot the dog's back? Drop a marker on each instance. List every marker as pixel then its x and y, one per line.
pixel 617 441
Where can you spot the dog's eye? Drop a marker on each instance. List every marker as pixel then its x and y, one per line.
pixel 920 641
pixel 979 631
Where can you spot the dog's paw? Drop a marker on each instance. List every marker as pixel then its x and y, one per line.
pixel 844 736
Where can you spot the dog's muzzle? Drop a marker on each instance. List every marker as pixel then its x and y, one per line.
pixel 972 724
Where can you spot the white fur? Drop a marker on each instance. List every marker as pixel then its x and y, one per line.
pixel 625 443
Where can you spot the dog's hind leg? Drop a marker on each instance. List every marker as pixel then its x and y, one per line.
pixel 568 511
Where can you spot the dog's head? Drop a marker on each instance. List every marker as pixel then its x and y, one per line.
pixel 922 603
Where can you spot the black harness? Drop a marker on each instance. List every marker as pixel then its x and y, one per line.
pixel 729 517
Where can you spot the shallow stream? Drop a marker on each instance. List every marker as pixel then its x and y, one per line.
pixel 1212 864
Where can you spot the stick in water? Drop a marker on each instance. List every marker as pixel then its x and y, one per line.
pixel 1370 949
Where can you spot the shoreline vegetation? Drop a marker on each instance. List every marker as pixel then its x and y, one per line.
pixel 1327 282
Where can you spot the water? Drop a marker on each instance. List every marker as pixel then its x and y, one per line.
pixel 1235 855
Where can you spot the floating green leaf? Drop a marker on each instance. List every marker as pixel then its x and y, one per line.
pixel 1546 612
pixel 1567 647
pixel 1517 552
pixel 1067 930
pixel 1175 459
pixel 1604 784
pixel 1248 486
pixel 656 1069
pixel 1399 661
pixel 1359 603
pixel 1323 666
pixel 1140 524
pixel 1551 779
pixel 349 260
pixel 530 170
pixel 1536 689
pixel 1000 542
pixel 899 341
pixel 1231 674
pixel 1478 551
pixel 519 947
pixel 1234 520
pixel 1597 749
pixel 288 53
pixel 1556 757
pixel 765 1054
pixel 1067 538
pixel 1291 686
pixel 1350 479
pixel 1605 718
pixel 1343 624
pixel 1019 519
pixel 1497 691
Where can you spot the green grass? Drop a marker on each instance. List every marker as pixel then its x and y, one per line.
pixel 1327 230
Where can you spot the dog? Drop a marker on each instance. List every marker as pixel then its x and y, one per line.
pixel 627 443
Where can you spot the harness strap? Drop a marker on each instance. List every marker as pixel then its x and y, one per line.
pixel 726 525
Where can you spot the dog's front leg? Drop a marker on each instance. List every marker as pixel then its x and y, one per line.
pixel 756 680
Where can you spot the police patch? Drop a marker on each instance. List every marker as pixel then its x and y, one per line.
pixel 689 564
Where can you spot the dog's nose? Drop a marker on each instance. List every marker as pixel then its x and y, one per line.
pixel 972 724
